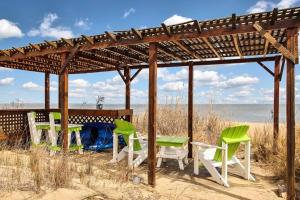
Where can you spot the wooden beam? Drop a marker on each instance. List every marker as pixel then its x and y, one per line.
pixel 5 52
pixel 197 26
pixel 21 50
pixel 236 45
pixel 35 46
pixel 266 46
pixel 111 36
pixel 161 38
pixel 135 74
pixel 138 51
pixel 274 16
pixel 47 91
pixel 68 59
pixel 53 44
pixel 137 33
pixel 68 41
pixel 127 91
pixel 233 21
pixel 211 47
pixel 266 68
pixel 59 91
pixel 121 74
pixel 190 109
pixel 292 35
pixel 276 106
pixel 187 50
pixel 168 53
pixel 282 67
pixel 285 52
pixel 166 29
pixel 64 105
pixel 89 39
pixel 152 113
pixel 208 62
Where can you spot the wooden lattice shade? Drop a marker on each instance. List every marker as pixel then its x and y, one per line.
pixel 196 40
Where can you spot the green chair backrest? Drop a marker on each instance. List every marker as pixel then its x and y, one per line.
pixel 232 136
pixel 125 129
pixel 56 115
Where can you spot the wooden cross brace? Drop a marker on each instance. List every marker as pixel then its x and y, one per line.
pixel 285 52
pixel 130 78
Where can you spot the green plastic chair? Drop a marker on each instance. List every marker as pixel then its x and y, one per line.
pixel 55 130
pixel 36 129
pixel 134 144
pixel 223 154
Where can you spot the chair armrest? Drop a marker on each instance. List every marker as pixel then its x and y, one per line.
pixel 207 146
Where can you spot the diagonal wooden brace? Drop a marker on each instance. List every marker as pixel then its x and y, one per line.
pixel 285 52
pixel 68 59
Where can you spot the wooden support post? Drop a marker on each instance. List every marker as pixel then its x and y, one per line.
pixel 127 92
pixel 276 105
pixel 190 108
pixel 64 105
pixel 59 92
pixel 292 46
pixel 47 91
pixel 152 113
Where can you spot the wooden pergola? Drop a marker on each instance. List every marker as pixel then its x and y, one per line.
pixel 259 37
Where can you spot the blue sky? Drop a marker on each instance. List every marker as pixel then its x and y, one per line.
pixel 22 22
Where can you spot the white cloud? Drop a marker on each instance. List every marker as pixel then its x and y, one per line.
pixel 241 81
pixel 31 86
pixel 128 12
pixel 9 29
pixel 203 76
pixel 7 81
pixel 286 3
pixel 83 23
pixel 78 93
pixel 173 86
pixel 260 6
pixel 297 78
pixel 263 5
pixel 46 28
pixel 176 19
pixel 79 83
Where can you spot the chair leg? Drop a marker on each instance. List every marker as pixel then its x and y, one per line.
pixel 130 151
pixel 160 156
pixel 115 147
pixel 196 160
pixel 213 171
pixel 78 141
pixel 181 166
pixel 224 162
pixel 69 138
pixel 248 176
pixel 140 158
pixel 53 140
pixel 39 135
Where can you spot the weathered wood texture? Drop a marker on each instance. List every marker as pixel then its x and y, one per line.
pixel 152 113
pixel 190 108
pixel 292 46
pixel 64 86
pixel 217 38
pixel 127 90
pixel 276 105
pixel 47 91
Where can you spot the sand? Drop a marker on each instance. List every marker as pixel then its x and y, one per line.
pixel 171 182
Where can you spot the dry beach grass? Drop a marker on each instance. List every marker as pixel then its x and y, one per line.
pixel 35 174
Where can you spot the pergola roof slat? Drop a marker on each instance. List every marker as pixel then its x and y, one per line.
pixel 210 39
